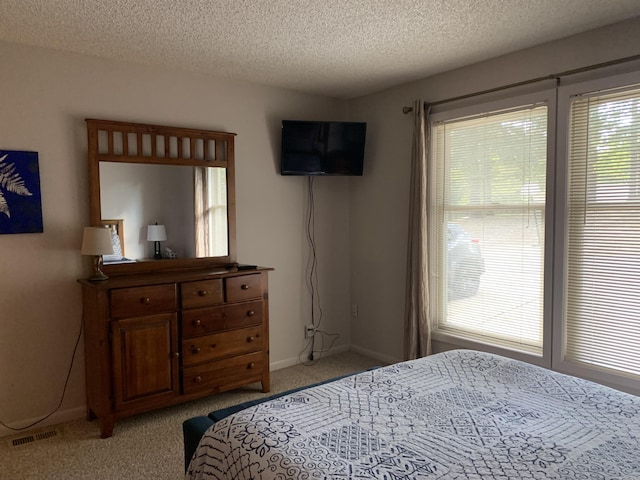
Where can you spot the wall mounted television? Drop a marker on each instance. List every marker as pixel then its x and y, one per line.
pixel 322 148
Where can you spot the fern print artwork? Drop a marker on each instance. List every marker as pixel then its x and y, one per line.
pixel 20 200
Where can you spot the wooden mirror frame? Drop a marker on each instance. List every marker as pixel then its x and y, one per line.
pixel 160 145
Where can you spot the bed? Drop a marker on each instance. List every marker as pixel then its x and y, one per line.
pixel 457 415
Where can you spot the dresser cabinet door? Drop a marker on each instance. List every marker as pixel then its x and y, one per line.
pixel 145 360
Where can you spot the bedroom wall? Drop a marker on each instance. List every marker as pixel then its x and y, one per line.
pixel 380 199
pixel 46 95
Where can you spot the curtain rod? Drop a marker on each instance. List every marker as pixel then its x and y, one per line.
pixel 552 76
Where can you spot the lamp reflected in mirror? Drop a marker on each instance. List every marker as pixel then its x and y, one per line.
pixel 96 241
pixel 156 234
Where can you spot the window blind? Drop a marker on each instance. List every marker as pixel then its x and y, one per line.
pixel 217 198
pixel 602 305
pixel 210 206
pixel 488 227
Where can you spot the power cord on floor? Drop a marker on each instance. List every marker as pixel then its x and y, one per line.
pixel 64 390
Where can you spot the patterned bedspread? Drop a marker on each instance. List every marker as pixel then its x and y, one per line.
pixel 455 415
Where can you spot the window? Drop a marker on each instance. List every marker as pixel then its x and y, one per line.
pixel 602 277
pixel 210 187
pixel 535 246
pixel 488 226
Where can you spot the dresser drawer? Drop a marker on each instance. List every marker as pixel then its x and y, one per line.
pixel 242 288
pixel 222 374
pixel 141 301
pixel 203 293
pixel 220 345
pixel 225 317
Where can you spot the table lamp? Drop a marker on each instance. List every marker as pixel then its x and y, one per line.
pixel 156 234
pixel 96 241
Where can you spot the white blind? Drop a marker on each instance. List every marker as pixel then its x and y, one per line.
pixel 210 207
pixel 602 307
pixel 490 177
pixel 217 198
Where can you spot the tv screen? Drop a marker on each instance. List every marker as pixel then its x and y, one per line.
pixel 322 148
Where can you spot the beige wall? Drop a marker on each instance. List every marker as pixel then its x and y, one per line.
pixel 380 199
pixel 45 97
pixel 361 223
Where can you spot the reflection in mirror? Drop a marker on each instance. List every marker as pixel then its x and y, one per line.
pixel 143 194
pixel 210 212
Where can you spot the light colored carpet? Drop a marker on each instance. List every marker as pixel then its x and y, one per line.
pixel 147 446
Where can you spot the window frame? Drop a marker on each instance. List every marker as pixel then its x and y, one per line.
pixel 565 95
pixel 509 100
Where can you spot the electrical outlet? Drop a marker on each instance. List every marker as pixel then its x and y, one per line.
pixel 354 310
pixel 309 331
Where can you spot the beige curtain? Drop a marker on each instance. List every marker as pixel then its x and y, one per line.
pixel 417 319
pixel 201 204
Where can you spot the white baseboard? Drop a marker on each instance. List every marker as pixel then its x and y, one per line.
pixel 377 355
pixel 290 362
pixel 386 359
pixel 55 419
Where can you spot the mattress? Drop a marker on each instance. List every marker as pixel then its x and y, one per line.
pixel 454 415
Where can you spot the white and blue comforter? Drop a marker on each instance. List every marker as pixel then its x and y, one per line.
pixel 455 415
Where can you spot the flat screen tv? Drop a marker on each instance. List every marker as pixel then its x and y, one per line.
pixel 322 148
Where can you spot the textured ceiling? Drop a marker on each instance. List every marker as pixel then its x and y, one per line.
pixel 339 48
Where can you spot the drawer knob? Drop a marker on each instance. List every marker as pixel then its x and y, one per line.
pixel 251 313
pixel 198 379
pixel 176 355
pixel 197 323
pixel 251 365
pixel 244 286
pixel 203 293
pixel 195 350
pixel 250 339
pixel 145 300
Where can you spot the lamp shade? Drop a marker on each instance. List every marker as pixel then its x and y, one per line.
pixel 96 241
pixel 156 233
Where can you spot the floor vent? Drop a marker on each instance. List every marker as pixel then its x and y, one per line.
pixel 33 437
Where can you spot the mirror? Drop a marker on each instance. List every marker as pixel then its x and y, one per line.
pixel 180 178
pixel 142 195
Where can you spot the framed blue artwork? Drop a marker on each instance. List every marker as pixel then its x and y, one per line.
pixel 20 200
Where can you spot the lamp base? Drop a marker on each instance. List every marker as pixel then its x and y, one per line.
pixel 97 278
pixel 98 274
pixel 156 253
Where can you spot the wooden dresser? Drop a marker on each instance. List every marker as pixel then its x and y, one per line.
pixel 158 339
